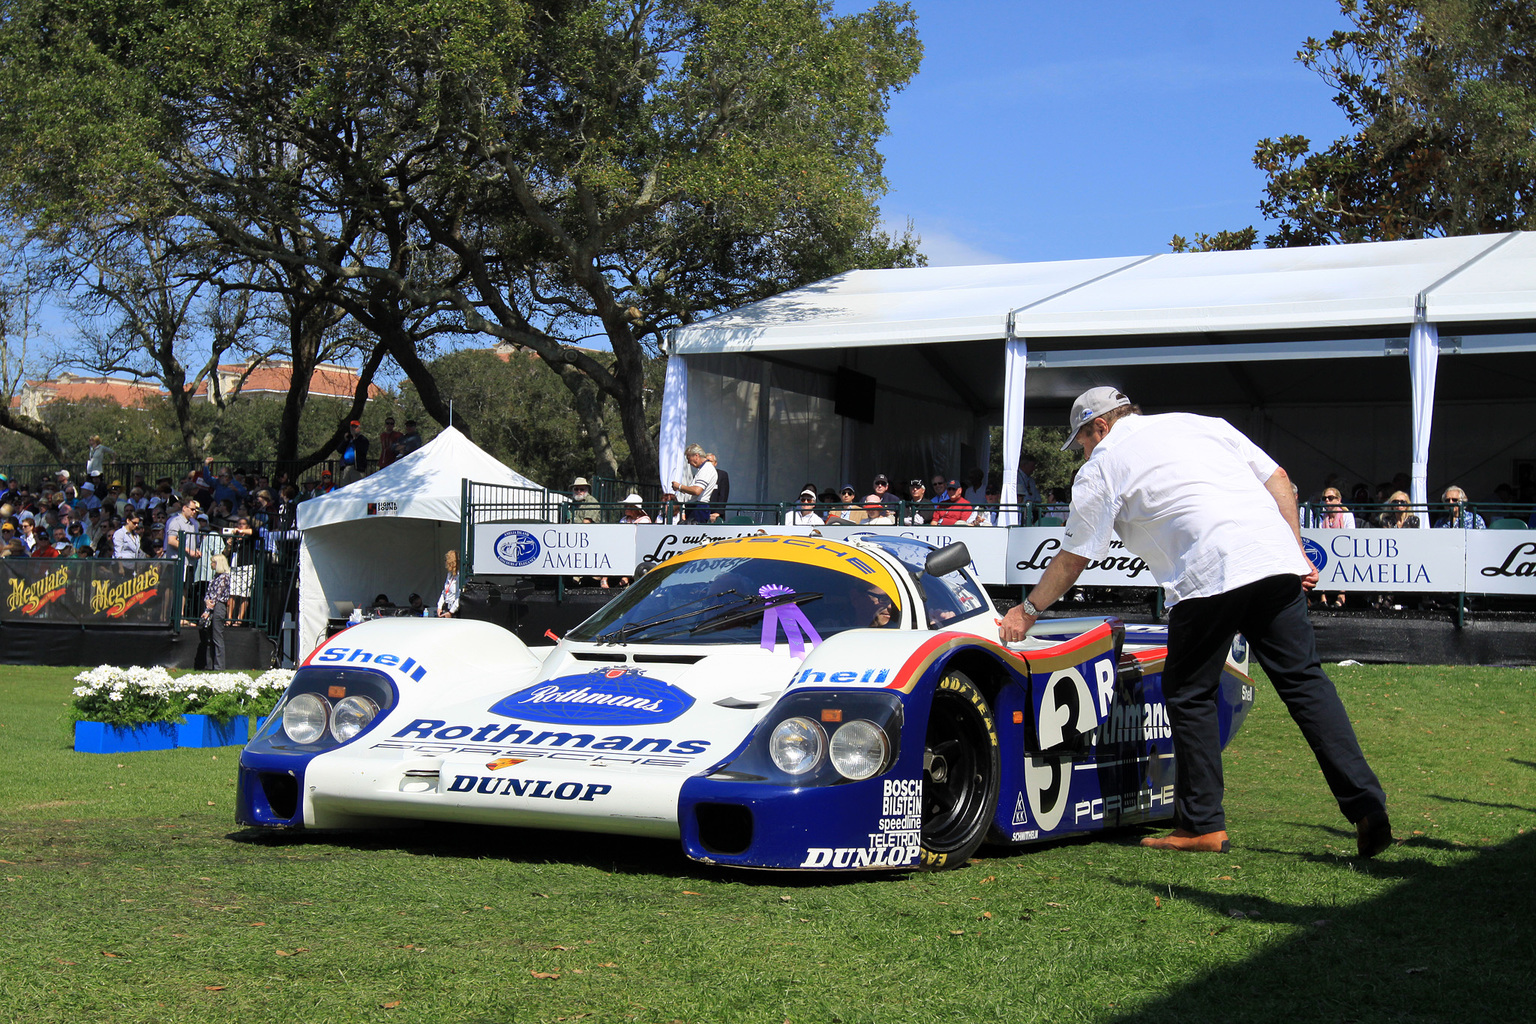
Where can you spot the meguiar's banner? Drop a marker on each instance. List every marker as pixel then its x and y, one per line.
pixel 87 591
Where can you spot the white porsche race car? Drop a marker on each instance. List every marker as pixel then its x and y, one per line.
pixel 771 701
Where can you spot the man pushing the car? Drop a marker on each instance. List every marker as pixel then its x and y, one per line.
pixel 1214 518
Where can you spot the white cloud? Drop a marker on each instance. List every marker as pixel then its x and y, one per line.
pixel 947 249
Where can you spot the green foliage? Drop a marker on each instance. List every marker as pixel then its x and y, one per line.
pixel 1243 238
pixel 138 696
pixel 542 173
pixel 1055 468
pixel 1441 97
pixel 522 414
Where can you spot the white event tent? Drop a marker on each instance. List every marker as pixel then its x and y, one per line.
pixel 1330 357
pixel 389 532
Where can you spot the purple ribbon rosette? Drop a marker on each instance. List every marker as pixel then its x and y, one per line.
pixel 788 614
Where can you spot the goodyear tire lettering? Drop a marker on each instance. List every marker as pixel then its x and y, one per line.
pixel 961 762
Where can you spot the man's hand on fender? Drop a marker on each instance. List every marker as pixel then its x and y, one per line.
pixel 1014 624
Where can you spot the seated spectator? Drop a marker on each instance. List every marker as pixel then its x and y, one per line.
pixel 1335 515
pixel 1458 516
pixel 846 509
pixel 877 512
pixel 976 487
pixel 383 601
pixel 584 504
pixel 1058 503
pixel 805 513
pixel 955 510
pixel 937 491
pixel 633 512
pixel 884 493
pixel 417 606
pixel 1397 516
pixel 917 498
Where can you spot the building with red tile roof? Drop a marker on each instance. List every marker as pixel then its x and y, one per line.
pixel 269 379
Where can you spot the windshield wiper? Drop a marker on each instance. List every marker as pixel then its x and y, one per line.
pixel 759 605
pixel 629 630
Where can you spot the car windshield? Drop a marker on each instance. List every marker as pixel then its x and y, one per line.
pixel 949 598
pixel 723 600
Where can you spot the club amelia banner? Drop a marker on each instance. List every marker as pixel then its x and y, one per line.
pixel 74 591
pixel 613 550
pixel 1390 561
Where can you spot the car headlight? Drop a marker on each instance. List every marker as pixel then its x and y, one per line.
pixel 796 745
pixel 351 715
pixel 859 749
pixel 305 717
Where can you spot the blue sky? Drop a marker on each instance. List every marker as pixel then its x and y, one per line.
pixel 1049 131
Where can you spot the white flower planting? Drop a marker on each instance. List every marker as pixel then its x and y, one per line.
pixel 122 695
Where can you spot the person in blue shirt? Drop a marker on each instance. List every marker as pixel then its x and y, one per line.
pixel 1458 516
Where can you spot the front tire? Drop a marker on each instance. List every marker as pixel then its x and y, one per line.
pixel 961 767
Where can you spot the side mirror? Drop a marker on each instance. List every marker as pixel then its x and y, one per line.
pixel 947 559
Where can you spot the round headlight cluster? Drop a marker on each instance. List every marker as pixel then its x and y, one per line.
pixel 351 715
pixel 307 716
pixel 797 744
pixel 858 750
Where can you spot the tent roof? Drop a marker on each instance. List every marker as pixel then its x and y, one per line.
pixel 426 484
pixel 1470 278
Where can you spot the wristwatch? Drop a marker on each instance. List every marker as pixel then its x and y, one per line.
pixel 1030 609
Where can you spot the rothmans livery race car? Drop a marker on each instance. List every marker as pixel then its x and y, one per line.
pixel 772 701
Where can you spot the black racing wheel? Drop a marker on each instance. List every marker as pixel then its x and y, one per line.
pixel 960 773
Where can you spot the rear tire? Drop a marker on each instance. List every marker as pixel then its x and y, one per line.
pixel 961 767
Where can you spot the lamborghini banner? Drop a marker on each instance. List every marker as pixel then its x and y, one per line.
pixel 74 591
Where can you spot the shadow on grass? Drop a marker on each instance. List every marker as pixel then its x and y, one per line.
pixel 629 855
pixel 1450 943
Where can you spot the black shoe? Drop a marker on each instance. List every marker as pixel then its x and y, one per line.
pixel 1373 833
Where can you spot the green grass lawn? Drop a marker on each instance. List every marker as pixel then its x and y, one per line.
pixel 128 894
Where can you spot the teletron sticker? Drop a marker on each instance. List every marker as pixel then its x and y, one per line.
pixel 898 841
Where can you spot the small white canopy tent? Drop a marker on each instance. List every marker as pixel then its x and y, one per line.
pixel 1255 336
pixel 388 533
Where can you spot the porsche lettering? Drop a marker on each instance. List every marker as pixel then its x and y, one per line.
pixel 1115 803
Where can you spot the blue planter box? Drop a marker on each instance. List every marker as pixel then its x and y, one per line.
pixel 100 738
pixel 205 731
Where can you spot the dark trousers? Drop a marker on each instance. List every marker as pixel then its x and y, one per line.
pixel 216 655
pixel 1272 614
pixel 698 512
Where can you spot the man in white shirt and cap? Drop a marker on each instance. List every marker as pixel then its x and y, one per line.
pixel 1215 519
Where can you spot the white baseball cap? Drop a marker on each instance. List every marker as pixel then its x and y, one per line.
pixel 1090 404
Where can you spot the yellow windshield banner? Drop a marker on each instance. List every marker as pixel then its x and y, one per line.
pixel 827 554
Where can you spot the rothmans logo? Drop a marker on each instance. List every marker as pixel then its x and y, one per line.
pixel 614 696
